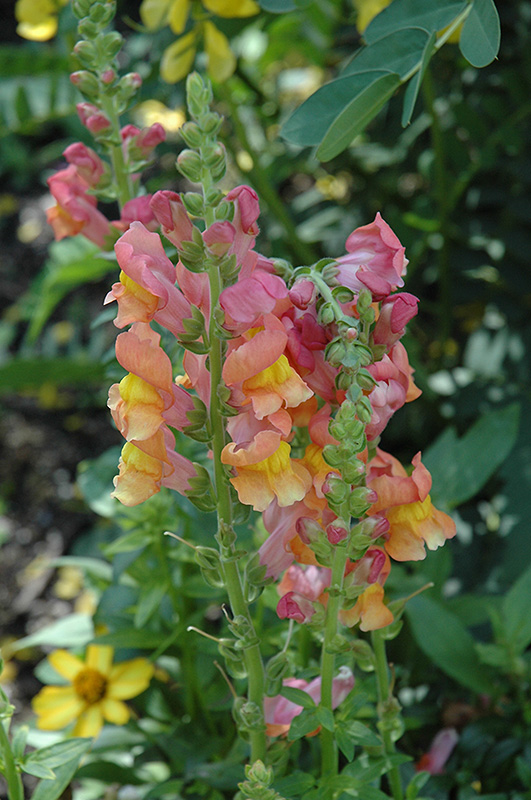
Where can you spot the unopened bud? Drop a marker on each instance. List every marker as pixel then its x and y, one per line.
pixel 365 380
pixel 210 122
pixel 343 295
pixel 88 29
pixel 308 529
pixel 190 165
pixel 326 314
pixel 332 455
pixel 335 488
pixel 192 134
pixel 302 294
pixel 335 353
pixel 337 531
pixel 353 471
pixel 86 82
pixel 360 500
pixel 364 409
pixel 85 52
pixel 108 76
pixel 364 301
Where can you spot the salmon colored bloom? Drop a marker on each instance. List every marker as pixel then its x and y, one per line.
pixel 394 387
pixel 76 210
pixel 96 691
pixel 370 610
pixel 259 482
pixel 405 502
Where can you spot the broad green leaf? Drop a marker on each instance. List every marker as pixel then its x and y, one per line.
pixel 310 122
pixel 53 789
pixel 302 724
pixel 360 734
pixel 433 16
pixel 37 770
pixel 94 479
pixel 57 754
pixel 355 117
pixel 412 91
pixel 298 697
pixel 363 771
pixel 461 467
pixel 294 784
pixel 515 609
pixel 31 373
pixel 75 630
pixel 442 637
pixel 400 52
pixel 480 38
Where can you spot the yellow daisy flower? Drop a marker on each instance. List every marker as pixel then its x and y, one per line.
pixel 96 692
pixel 37 19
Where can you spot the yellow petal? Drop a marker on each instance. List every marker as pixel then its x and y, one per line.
pixel 130 678
pixel 99 657
pixel 154 13
pixel 65 664
pixel 56 706
pixel 38 33
pixel 232 8
pixel 178 58
pixel 115 711
pixel 367 10
pixel 178 15
pixel 89 723
pixel 221 59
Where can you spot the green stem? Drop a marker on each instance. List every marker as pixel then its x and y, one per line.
pixel 252 656
pixel 328 745
pixel 383 688
pixel 122 179
pixel 15 789
pixel 267 191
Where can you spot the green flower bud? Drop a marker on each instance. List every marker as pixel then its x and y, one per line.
pixel 210 122
pixel 86 82
pixel 365 380
pixel 360 500
pixel 364 301
pixel 111 44
pixel 335 489
pixel 353 472
pixel 364 409
pixel 342 294
pixel 85 52
pixel 190 165
pixel 326 314
pixel 192 134
pixel 332 455
pixel 87 29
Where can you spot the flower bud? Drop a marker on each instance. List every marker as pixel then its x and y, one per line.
pixel 353 471
pixel 335 488
pixel 332 455
pixel 92 118
pixel 360 500
pixel 88 29
pixel 335 352
pixel 192 134
pixel 365 380
pixel 364 409
pixel 363 302
pixel 85 52
pixel 302 294
pixel 86 82
pixel 210 122
pixel 295 606
pixel 337 531
pixel 308 529
pixel 326 314
pixel 190 165
pixel 108 76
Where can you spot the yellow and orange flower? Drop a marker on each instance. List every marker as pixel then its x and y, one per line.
pixel 96 691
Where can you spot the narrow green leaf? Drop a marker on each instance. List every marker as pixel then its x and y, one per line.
pixel 149 602
pixel 326 718
pixel 310 121
pixel 131 637
pixel 443 638
pixel 412 91
pixel 75 630
pixel 344 741
pixel 433 16
pixel 400 52
pixel 128 542
pixel 298 697
pixel 30 373
pixel 53 789
pixel 56 754
pixel 302 724
pixel 461 467
pixel 37 770
pixel 515 608
pixel 480 38
pixel 294 784
pixel 357 115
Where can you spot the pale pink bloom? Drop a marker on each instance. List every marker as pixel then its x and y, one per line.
pixel 440 751
pixel 197 375
pixel 309 582
pixel 92 118
pixel 375 260
pixel 394 387
pixel 144 140
pixel 76 210
pixel 279 712
pixel 219 237
pixel 246 212
pixel 275 553
pixel 395 313
pixel 88 164
pixel 303 293
pixel 137 210
pixel 307 341
pixel 170 212
pixel 293 605
pixel 150 292
pixel 249 298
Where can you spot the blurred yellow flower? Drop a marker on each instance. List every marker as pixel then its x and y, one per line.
pixel 178 58
pixel 96 692
pixel 37 19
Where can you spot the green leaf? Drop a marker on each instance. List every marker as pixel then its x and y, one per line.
pixel 432 16
pixel 442 637
pixel 131 637
pixel 96 567
pixel 310 122
pixel 31 373
pixel 38 770
pixel 75 630
pixel 53 789
pixel 278 6
pixel 480 38
pixel 302 724
pixel 461 467
pixel 354 117
pixel 298 697
pixel 94 479
pixel 412 91
pixel 149 601
pixel 59 753
pixel 326 718
pixel 350 733
pixel 515 609
pixel 127 542
pixel 400 52
pixel 294 784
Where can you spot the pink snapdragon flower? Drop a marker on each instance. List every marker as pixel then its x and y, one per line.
pixel 394 387
pixel 88 164
pixel 375 260
pixel 76 210
pixel 279 711
pixel 440 751
pixel 92 118
pixel 395 313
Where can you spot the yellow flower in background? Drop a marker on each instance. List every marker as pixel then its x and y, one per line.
pixel 368 9
pixel 178 58
pixel 96 692
pixel 37 19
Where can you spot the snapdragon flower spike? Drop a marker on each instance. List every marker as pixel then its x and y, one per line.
pixel 88 164
pixel 394 387
pixel 395 313
pixel 405 502
pixel 147 288
pixel 279 711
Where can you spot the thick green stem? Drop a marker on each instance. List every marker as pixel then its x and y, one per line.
pixel 252 656
pixel 121 176
pixel 382 683
pixel 15 790
pixel 328 745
